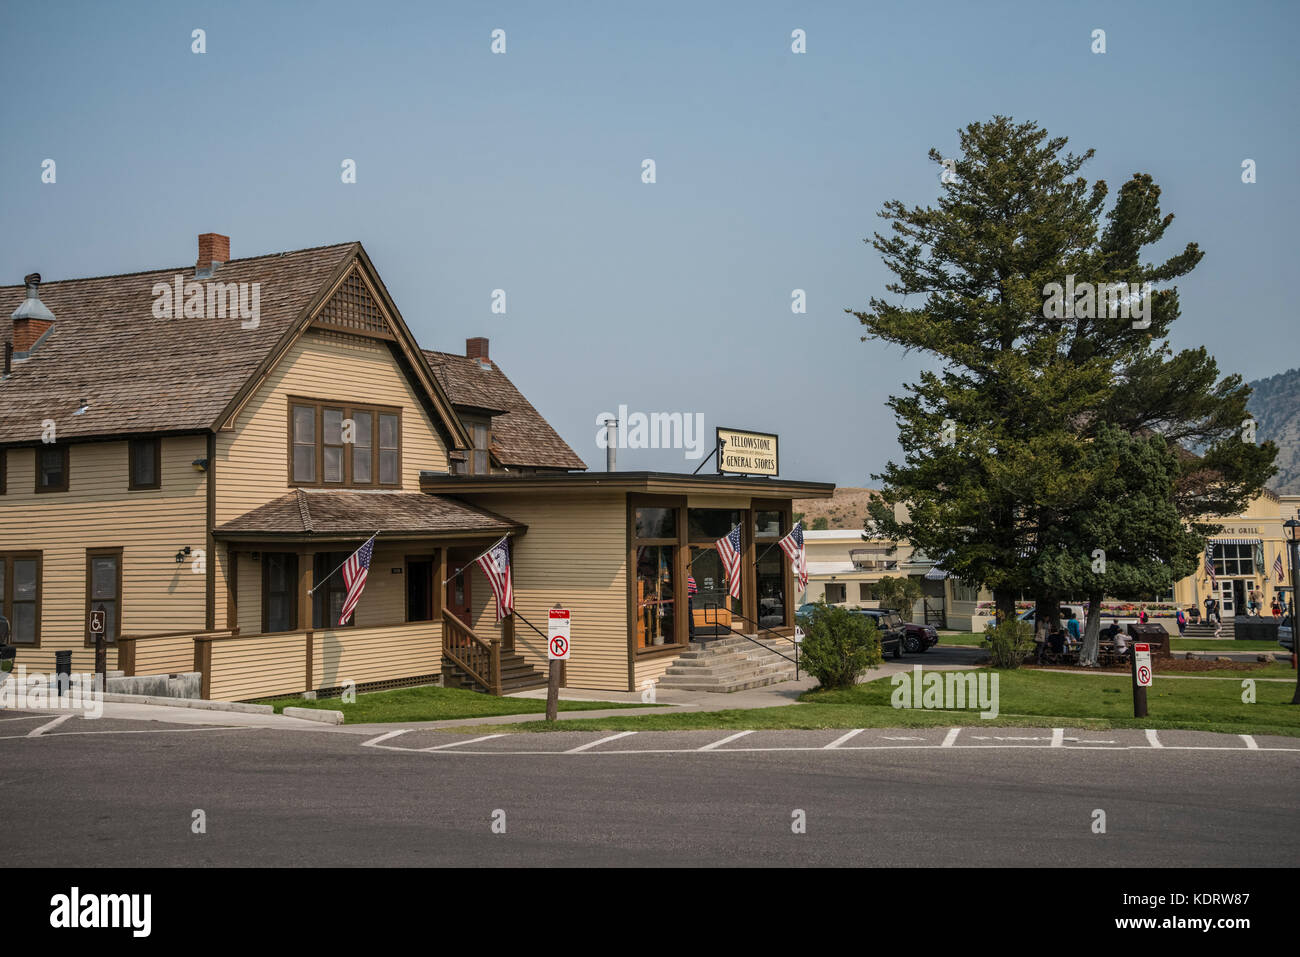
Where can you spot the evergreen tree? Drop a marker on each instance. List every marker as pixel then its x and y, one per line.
pixel 997 437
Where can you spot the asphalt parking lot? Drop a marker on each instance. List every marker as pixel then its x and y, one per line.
pixel 116 792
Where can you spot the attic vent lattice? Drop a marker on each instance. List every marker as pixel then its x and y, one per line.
pixel 352 308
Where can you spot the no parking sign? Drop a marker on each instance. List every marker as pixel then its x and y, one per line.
pixel 1142 662
pixel 557 634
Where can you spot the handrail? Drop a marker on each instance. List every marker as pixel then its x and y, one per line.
pixel 736 614
pixel 480 659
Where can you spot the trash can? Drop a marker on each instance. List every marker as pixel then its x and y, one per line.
pixel 1154 635
pixel 63 671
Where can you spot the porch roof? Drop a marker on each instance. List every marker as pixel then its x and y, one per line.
pixel 315 514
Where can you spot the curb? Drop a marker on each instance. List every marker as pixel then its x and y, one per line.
pixel 313 714
pixel 199 703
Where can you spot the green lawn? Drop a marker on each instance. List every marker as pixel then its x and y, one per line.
pixel 430 703
pixel 1026 699
pixel 1223 644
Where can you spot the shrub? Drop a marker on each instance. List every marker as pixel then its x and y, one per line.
pixel 1009 643
pixel 838 645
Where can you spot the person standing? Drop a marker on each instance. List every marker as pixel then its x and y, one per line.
pixel 1209 608
pixel 1181 618
pixel 1277 609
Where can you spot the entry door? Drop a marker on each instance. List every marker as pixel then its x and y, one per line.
pixel 458 596
pixel 1226 596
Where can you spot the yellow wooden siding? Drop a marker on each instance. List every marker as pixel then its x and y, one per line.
pixel 652 669
pixel 252 460
pixel 259 665
pixel 98 511
pixel 364 655
pixel 156 656
pixel 575 552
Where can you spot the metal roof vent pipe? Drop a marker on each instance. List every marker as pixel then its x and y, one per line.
pixel 611 444
pixel 32 319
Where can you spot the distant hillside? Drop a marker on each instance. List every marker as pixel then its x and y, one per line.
pixel 1275 404
pixel 847 509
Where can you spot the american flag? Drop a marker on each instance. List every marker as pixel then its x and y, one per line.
pixel 355 572
pixel 792 545
pixel 1277 568
pixel 1209 562
pixel 728 547
pixel 495 563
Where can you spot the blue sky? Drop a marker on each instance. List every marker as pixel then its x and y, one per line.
pixel 523 172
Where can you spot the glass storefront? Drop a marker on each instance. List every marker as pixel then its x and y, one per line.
pixel 711 605
pixel 655 623
pixel 769 526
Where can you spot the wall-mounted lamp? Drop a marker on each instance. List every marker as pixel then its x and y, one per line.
pixel 182 554
pixel 200 465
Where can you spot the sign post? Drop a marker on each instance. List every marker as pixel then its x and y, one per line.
pixel 557 652
pixel 96 625
pixel 1141 678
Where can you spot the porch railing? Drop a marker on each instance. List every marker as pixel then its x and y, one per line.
pixel 480 659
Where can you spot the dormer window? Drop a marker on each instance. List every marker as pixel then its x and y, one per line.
pixel 478 460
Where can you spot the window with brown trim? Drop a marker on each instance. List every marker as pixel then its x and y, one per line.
pixel 327 598
pixel 657 528
pixel 104 590
pixel 144 463
pixel 51 468
pixel 20 596
pixel 340 445
pixel 478 459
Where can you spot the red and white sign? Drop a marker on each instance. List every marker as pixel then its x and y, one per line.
pixel 1142 662
pixel 557 634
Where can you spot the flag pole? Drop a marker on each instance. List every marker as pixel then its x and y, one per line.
pixel 345 561
pixel 477 557
pixel 708 551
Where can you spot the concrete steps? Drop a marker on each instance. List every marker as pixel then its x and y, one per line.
pixel 724 665
pixel 1207 631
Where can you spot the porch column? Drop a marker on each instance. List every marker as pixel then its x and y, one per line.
pixel 439 589
pixel 306 561
pixel 232 589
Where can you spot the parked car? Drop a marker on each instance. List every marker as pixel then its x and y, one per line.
pixel 889 624
pixel 1284 637
pixel 919 638
pixel 1079 613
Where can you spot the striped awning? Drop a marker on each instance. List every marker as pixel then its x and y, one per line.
pixel 936 574
pixel 1236 541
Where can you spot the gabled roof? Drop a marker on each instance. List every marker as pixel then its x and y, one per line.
pixel 340 513
pixel 141 374
pixel 520 436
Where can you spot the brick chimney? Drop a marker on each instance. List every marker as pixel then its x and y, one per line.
pixel 31 319
pixel 477 348
pixel 214 249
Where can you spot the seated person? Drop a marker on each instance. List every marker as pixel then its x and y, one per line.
pixel 1056 640
pixel 1113 630
pixel 1121 642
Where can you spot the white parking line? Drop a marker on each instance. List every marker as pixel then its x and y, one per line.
pixel 37 732
pixel 374 742
pixel 1058 737
pixel 26 717
pixel 1250 742
pixel 457 744
pixel 1153 739
pixel 842 738
pixel 726 740
pixel 951 738
pixel 592 744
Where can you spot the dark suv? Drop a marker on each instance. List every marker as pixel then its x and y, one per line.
pixel 892 628
pixel 919 638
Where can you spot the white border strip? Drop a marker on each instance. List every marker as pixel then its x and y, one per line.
pixel 840 740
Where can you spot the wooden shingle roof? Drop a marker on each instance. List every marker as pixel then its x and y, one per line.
pixel 341 512
pixel 520 436
pixel 142 374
